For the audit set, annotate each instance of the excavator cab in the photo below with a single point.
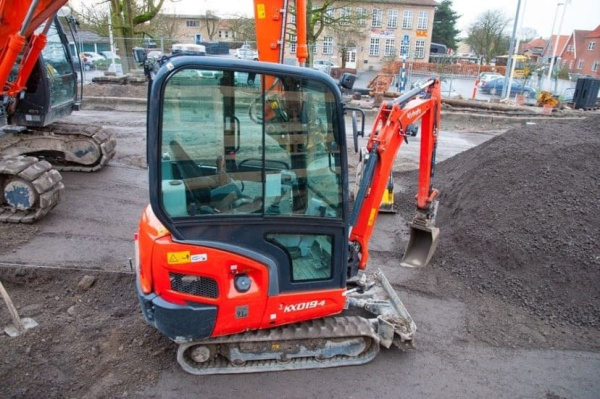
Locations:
(253, 156)
(249, 225)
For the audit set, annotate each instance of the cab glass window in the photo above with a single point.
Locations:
(241, 143)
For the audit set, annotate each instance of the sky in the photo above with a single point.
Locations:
(538, 15)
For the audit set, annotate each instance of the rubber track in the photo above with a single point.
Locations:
(44, 179)
(98, 134)
(326, 328)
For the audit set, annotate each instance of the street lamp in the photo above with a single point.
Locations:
(557, 37)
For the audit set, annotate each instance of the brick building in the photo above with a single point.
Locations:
(366, 33)
(581, 53)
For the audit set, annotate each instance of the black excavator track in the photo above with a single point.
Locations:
(322, 343)
(86, 148)
(30, 161)
(30, 189)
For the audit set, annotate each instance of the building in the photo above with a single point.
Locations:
(365, 34)
(581, 53)
(549, 51)
(195, 28)
(534, 49)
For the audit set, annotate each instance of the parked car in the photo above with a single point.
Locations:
(494, 87)
(243, 48)
(445, 88)
(89, 59)
(154, 54)
(324, 65)
(485, 77)
(78, 63)
(109, 55)
(247, 54)
(90, 56)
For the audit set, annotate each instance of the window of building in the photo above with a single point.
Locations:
(392, 20)
(361, 16)
(595, 66)
(374, 47)
(346, 16)
(220, 33)
(591, 45)
(580, 64)
(407, 19)
(420, 49)
(570, 48)
(423, 19)
(377, 20)
(389, 47)
(328, 45)
(571, 64)
(192, 23)
(293, 19)
(293, 42)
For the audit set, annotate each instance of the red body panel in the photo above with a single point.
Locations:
(159, 256)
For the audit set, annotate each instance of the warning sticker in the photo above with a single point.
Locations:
(199, 258)
(261, 11)
(176, 258)
(372, 216)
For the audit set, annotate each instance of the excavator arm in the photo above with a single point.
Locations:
(270, 18)
(20, 18)
(394, 123)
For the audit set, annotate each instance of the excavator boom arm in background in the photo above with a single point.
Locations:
(270, 17)
(393, 125)
(20, 19)
(39, 88)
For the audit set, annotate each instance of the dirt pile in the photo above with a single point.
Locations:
(115, 90)
(90, 342)
(520, 220)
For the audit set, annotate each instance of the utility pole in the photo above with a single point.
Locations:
(511, 50)
(521, 14)
(557, 38)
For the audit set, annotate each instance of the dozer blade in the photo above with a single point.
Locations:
(421, 245)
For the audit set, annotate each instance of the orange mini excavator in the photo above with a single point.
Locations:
(38, 85)
(249, 254)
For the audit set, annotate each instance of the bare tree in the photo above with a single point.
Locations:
(126, 16)
(211, 22)
(527, 34)
(243, 28)
(92, 18)
(487, 34)
(332, 17)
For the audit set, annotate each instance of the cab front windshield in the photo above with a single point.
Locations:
(241, 143)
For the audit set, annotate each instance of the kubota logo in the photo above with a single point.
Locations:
(414, 113)
(303, 306)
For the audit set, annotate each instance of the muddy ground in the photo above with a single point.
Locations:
(509, 307)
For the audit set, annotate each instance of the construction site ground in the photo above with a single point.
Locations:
(509, 308)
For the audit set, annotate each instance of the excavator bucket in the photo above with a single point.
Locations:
(421, 245)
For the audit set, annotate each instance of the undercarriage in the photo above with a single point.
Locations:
(352, 338)
(30, 183)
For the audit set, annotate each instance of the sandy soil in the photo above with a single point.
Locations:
(517, 267)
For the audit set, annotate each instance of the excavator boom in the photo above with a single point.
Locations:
(38, 85)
